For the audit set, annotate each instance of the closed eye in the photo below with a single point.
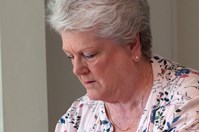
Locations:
(70, 57)
(89, 56)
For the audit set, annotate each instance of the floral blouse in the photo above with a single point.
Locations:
(173, 104)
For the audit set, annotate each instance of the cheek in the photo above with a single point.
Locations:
(109, 69)
(100, 67)
(103, 71)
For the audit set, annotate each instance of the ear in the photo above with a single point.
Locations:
(135, 48)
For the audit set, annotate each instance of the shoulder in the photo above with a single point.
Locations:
(175, 76)
(77, 114)
(178, 97)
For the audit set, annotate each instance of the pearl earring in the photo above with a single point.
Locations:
(136, 58)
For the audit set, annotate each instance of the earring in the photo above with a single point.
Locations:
(136, 58)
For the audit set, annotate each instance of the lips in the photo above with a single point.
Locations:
(89, 82)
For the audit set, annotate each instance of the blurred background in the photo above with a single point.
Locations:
(36, 81)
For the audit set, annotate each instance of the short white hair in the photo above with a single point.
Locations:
(119, 20)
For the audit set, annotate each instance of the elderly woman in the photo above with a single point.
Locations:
(128, 89)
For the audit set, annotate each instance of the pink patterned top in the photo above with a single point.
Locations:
(173, 104)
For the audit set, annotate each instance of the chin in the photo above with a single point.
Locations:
(93, 96)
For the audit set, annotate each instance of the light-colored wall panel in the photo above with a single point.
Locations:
(1, 89)
(23, 64)
(161, 26)
(188, 32)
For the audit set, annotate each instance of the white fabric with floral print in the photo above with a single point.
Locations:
(173, 104)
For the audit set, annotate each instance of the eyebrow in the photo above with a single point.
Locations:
(66, 52)
(86, 48)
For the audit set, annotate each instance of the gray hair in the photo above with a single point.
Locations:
(119, 20)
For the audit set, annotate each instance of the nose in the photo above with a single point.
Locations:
(79, 68)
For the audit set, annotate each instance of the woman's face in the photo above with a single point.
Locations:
(101, 65)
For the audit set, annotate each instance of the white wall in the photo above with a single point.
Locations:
(23, 66)
(161, 12)
(188, 32)
(1, 90)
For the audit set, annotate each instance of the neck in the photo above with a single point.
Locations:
(132, 105)
(134, 91)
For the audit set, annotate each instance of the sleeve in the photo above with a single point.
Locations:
(189, 117)
(61, 127)
(186, 117)
(67, 123)
(70, 121)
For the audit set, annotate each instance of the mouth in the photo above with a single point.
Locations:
(89, 82)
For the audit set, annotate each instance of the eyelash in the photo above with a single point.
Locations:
(70, 57)
(89, 56)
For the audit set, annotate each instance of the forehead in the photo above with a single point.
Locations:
(80, 40)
